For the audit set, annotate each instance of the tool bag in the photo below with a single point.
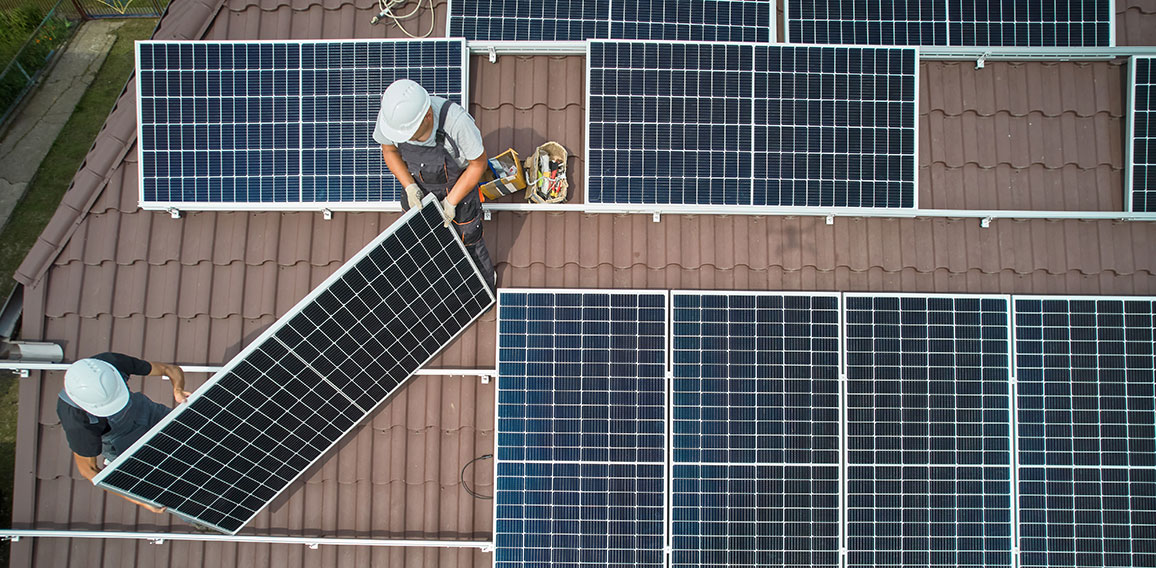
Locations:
(546, 174)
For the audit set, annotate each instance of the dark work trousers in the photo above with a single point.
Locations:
(435, 169)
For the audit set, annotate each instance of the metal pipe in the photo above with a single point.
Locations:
(312, 542)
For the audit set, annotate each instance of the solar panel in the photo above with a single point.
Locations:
(581, 444)
(573, 20)
(1086, 396)
(740, 124)
(1142, 142)
(275, 124)
(1023, 23)
(755, 430)
(285, 400)
(929, 478)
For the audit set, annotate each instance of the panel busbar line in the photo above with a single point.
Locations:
(275, 124)
(575, 20)
(1141, 172)
(732, 124)
(929, 480)
(581, 422)
(756, 441)
(962, 23)
(1086, 407)
(293, 393)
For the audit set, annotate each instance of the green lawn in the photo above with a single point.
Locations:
(33, 213)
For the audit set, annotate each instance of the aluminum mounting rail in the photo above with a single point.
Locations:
(311, 542)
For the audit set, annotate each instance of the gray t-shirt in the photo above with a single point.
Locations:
(459, 126)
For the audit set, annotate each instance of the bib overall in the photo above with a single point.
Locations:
(435, 169)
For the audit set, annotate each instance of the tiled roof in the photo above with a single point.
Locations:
(195, 290)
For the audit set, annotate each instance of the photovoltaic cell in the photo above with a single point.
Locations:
(867, 22)
(277, 407)
(1087, 431)
(928, 431)
(1142, 146)
(581, 452)
(755, 430)
(995, 23)
(275, 124)
(740, 124)
(573, 20)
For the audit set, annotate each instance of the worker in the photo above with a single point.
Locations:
(101, 418)
(433, 146)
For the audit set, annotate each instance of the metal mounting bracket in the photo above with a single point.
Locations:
(312, 545)
(327, 214)
(485, 214)
(174, 212)
(831, 219)
(979, 63)
(985, 222)
(156, 541)
(657, 216)
(487, 378)
(493, 53)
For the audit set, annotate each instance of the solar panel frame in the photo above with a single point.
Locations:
(955, 29)
(576, 556)
(306, 184)
(1140, 150)
(836, 166)
(910, 473)
(429, 213)
(807, 477)
(1097, 506)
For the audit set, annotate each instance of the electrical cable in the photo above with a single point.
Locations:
(465, 486)
(387, 12)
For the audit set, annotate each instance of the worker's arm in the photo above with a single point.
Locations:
(89, 467)
(468, 181)
(396, 164)
(175, 375)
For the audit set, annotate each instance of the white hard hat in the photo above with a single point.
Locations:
(403, 106)
(96, 386)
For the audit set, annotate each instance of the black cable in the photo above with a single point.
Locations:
(472, 493)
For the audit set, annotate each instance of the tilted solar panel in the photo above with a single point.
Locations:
(1019, 23)
(740, 124)
(581, 443)
(575, 20)
(1086, 397)
(1141, 186)
(755, 429)
(275, 124)
(288, 397)
(929, 480)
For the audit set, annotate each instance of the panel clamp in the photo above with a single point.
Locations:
(488, 547)
(493, 53)
(174, 212)
(485, 214)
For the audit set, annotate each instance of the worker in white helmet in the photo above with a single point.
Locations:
(433, 146)
(99, 415)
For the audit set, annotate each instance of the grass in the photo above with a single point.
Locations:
(33, 212)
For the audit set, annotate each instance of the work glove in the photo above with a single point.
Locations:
(448, 211)
(413, 194)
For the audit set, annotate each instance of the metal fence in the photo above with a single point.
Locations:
(32, 57)
(89, 9)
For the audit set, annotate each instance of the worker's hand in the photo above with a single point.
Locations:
(413, 194)
(153, 509)
(448, 210)
(180, 395)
